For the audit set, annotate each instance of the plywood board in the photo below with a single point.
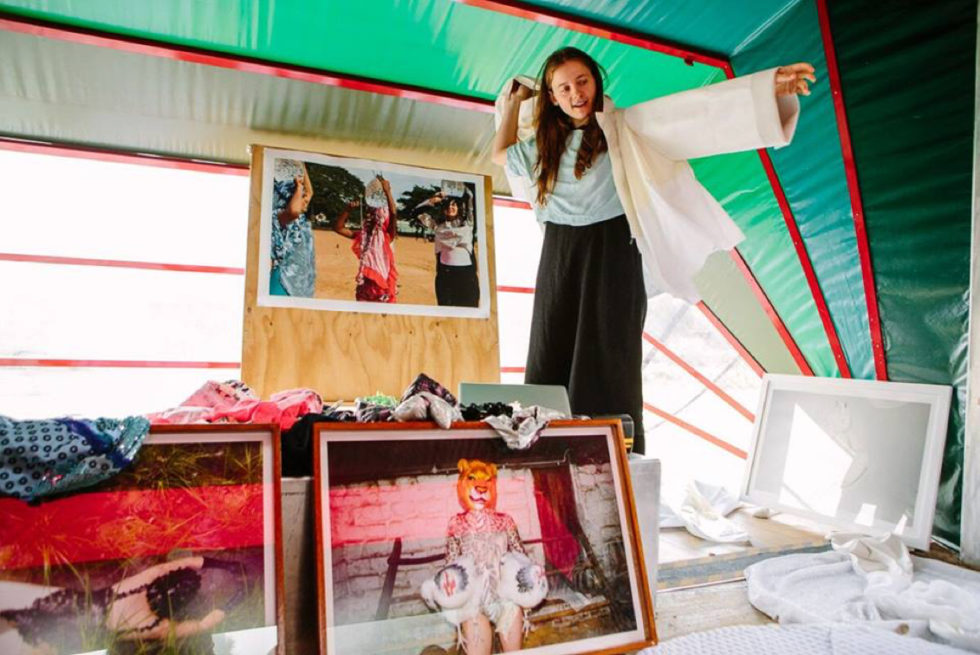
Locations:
(344, 355)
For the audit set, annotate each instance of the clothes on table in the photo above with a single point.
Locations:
(40, 458)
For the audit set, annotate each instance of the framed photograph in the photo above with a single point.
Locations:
(178, 551)
(861, 455)
(357, 235)
(445, 541)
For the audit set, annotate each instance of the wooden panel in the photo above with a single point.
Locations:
(343, 355)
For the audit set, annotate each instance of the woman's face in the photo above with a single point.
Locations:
(572, 88)
(452, 209)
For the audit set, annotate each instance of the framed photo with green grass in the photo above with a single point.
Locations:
(178, 553)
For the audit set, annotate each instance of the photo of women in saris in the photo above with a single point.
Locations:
(377, 277)
(293, 259)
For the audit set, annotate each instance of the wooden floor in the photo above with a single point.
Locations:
(694, 609)
(782, 530)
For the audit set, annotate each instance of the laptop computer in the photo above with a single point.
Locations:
(552, 396)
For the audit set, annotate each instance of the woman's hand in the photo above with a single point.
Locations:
(792, 79)
(519, 92)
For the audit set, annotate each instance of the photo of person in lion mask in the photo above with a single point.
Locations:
(488, 582)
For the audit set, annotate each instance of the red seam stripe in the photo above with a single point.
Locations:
(854, 188)
(777, 322)
(710, 438)
(110, 363)
(117, 263)
(711, 386)
(595, 28)
(34, 147)
(52, 30)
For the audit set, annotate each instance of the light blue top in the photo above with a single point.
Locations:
(589, 200)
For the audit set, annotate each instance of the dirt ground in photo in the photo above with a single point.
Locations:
(336, 268)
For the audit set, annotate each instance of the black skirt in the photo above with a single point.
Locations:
(587, 325)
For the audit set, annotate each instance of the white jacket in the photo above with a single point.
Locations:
(675, 221)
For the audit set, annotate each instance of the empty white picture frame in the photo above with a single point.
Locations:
(863, 456)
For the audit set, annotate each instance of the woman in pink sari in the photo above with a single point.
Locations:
(377, 276)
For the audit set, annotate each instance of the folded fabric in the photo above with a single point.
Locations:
(41, 458)
(234, 402)
(703, 512)
(942, 603)
(524, 425)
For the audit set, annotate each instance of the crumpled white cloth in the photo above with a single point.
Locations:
(703, 512)
(824, 639)
(524, 426)
(938, 601)
(427, 406)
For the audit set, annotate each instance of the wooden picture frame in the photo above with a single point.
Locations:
(388, 505)
(191, 528)
(340, 250)
(863, 456)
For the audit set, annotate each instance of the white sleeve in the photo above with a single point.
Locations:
(738, 114)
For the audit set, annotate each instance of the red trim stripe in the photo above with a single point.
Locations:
(116, 263)
(735, 343)
(504, 289)
(110, 363)
(854, 187)
(567, 21)
(777, 322)
(501, 201)
(697, 375)
(52, 30)
(808, 272)
(511, 369)
(117, 157)
(811, 277)
(707, 436)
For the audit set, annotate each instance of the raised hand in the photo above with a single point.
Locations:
(792, 79)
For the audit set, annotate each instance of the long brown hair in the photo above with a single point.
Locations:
(553, 126)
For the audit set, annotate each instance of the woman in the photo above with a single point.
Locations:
(457, 283)
(293, 259)
(377, 276)
(624, 217)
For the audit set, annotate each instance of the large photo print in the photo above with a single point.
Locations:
(176, 553)
(449, 542)
(365, 236)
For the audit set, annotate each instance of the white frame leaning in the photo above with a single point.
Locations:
(937, 397)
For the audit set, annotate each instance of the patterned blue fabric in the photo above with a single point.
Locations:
(52, 456)
(292, 246)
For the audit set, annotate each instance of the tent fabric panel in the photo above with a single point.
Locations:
(739, 182)
(79, 94)
(913, 144)
(434, 44)
(714, 25)
(811, 171)
(726, 292)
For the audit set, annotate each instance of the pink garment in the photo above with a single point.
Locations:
(233, 402)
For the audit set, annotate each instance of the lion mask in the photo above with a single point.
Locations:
(476, 487)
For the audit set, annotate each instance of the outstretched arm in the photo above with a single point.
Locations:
(340, 225)
(744, 113)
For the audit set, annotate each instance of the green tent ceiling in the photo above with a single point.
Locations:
(909, 111)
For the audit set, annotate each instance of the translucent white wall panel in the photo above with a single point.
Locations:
(517, 242)
(71, 207)
(43, 392)
(94, 312)
(514, 327)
